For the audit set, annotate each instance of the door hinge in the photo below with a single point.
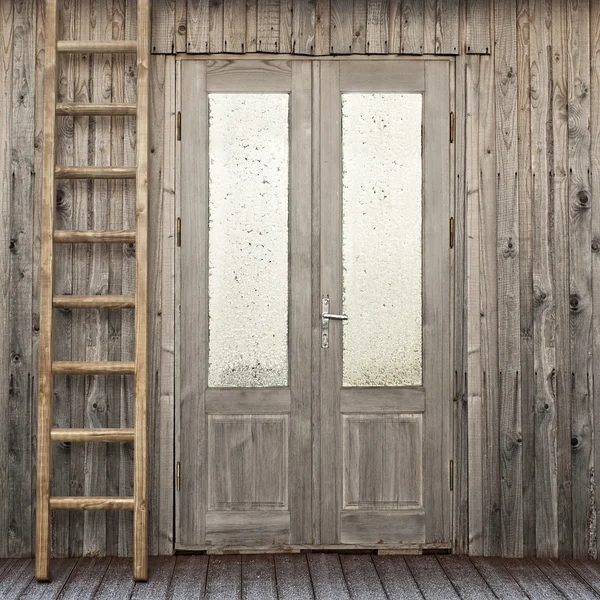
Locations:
(451, 232)
(178, 126)
(451, 476)
(178, 476)
(451, 127)
(178, 232)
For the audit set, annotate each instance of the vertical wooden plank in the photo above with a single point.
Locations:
(193, 322)
(157, 137)
(285, 26)
(429, 25)
(489, 309)
(303, 27)
(505, 58)
(322, 27)
(359, 27)
(473, 263)
(166, 393)
(251, 24)
(546, 516)
(595, 185)
(478, 27)
(20, 382)
(526, 275)
(96, 396)
(234, 26)
(446, 27)
(127, 395)
(300, 289)
(199, 19)
(44, 464)
(181, 26)
(560, 253)
(140, 484)
(377, 26)
(216, 24)
(6, 76)
(395, 27)
(341, 26)
(412, 27)
(267, 26)
(580, 292)
(163, 26)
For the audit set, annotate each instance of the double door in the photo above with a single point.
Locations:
(314, 323)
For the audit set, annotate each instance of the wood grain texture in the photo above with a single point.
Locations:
(412, 27)
(163, 26)
(478, 37)
(378, 26)
(197, 26)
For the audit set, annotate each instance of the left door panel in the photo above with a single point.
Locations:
(244, 418)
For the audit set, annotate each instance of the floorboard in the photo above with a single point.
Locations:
(61, 570)
(430, 578)
(361, 577)
(160, 572)
(565, 579)
(500, 581)
(327, 577)
(117, 583)
(85, 579)
(465, 578)
(396, 578)
(293, 577)
(189, 578)
(258, 577)
(531, 579)
(589, 570)
(16, 579)
(224, 578)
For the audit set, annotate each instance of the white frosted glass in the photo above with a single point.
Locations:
(248, 240)
(382, 290)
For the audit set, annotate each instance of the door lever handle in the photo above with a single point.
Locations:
(325, 317)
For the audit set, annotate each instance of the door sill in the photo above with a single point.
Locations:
(410, 549)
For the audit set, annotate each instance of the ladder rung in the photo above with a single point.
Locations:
(94, 302)
(90, 503)
(91, 435)
(114, 46)
(93, 368)
(108, 110)
(90, 237)
(95, 172)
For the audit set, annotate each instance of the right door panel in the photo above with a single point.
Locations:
(384, 263)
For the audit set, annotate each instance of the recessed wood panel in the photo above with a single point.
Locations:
(247, 457)
(382, 461)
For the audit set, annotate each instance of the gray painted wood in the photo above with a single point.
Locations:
(465, 578)
(530, 578)
(61, 570)
(589, 571)
(361, 577)
(565, 579)
(16, 578)
(258, 577)
(160, 572)
(293, 577)
(224, 578)
(189, 578)
(499, 579)
(327, 576)
(396, 578)
(117, 583)
(85, 579)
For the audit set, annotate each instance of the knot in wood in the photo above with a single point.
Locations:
(595, 246)
(575, 441)
(510, 249)
(181, 29)
(583, 199)
(574, 302)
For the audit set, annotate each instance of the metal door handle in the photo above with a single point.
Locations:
(325, 317)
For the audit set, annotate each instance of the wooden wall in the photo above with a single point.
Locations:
(527, 280)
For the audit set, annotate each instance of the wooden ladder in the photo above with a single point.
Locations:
(48, 301)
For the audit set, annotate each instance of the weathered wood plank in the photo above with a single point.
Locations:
(446, 27)
(531, 579)
(285, 26)
(322, 27)
(251, 25)
(85, 579)
(303, 27)
(198, 26)
(465, 578)
(61, 570)
(267, 28)
(378, 26)
(216, 25)
(359, 27)
(429, 25)
(565, 579)
(341, 26)
(293, 577)
(526, 276)
(361, 577)
(589, 571)
(16, 579)
(224, 578)
(498, 578)
(505, 60)
(430, 577)
(396, 578)
(258, 577)
(160, 572)
(117, 583)
(560, 267)
(234, 26)
(546, 515)
(412, 27)
(395, 27)
(327, 576)
(580, 200)
(181, 19)
(163, 26)
(478, 27)
(189, 577)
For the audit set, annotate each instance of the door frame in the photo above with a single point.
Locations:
(455, 297)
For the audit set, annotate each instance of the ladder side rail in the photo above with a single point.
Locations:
(140, 483)
(44, 462)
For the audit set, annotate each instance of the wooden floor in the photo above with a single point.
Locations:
(298, 576)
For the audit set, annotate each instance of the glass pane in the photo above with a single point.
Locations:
(248, 240)
(381, 147)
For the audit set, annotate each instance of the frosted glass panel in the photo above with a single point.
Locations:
(381, 148)
(248, 240)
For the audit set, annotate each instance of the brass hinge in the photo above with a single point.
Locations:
(451, 475)
(451, 232)
(178, 126)
(451, 127)
(178, 476)
(178, 232)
